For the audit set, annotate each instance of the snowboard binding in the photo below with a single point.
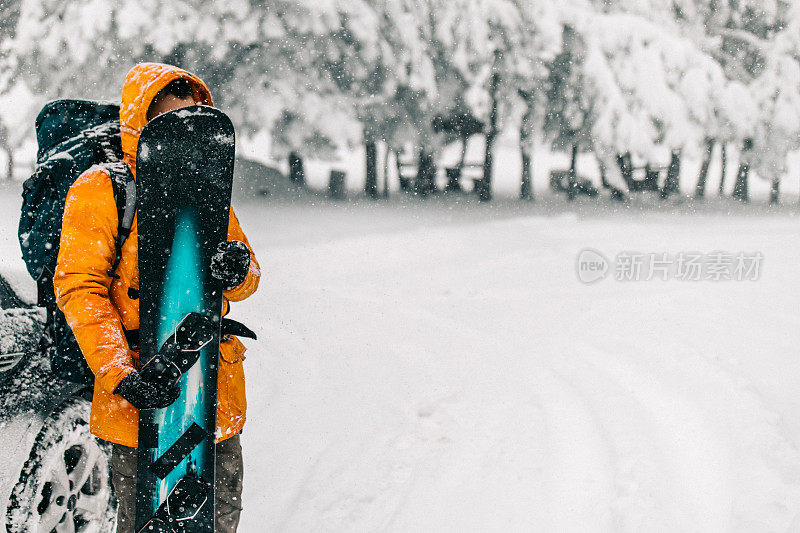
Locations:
(182, 506)
(180, 351)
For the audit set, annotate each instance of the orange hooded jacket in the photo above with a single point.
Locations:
(99, 308)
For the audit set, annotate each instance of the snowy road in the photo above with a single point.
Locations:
(461, 378)
(443, 369)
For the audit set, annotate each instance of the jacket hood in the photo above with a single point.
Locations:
(142, 84)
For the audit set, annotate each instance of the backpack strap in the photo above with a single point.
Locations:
(124, 187)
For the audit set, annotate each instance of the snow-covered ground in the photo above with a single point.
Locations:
(454, 375)
(439, 367)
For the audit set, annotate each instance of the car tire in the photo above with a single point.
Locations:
(65, 485)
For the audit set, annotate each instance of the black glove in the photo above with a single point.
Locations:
(231, 263)
(144, 395)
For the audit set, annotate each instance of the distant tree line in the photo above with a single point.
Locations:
(623, 79)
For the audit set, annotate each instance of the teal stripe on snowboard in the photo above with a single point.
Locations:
(183, 294)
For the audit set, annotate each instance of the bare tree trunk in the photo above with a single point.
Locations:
(463, 159)
(724, 170)
(296, 172)
(572, 176)
(775, 191)
(626, 168)
(526, 185)
(386, 154)
(603, 176)
(485, 189)
(337, 185)
(740, 188)
(526, 189)
(672, 182)
(426, 172)
(371, 183)
(700, 188)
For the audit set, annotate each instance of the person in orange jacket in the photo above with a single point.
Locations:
(100, 309)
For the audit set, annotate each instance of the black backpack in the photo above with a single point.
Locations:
(73, 135)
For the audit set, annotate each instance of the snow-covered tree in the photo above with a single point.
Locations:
(740, 35)
(10, 130)
(470, 45)
(652, 88)
(631, 77)
(570, 101)
(538, 40)
(776, 93)
(258, 60)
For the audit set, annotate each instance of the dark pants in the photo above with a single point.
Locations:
(227, 485)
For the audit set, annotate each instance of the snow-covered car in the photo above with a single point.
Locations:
(54, 475)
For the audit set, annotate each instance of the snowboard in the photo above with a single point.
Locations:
(184, 177)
